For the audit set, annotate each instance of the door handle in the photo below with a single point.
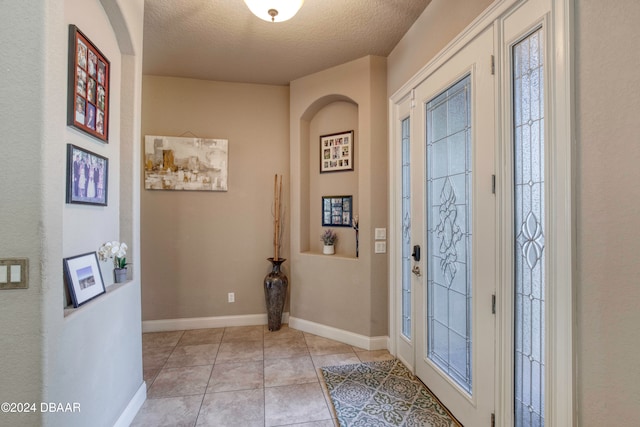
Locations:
(416, 253)
(416, 270)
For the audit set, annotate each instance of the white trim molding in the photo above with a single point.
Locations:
(207, 322)
(351, 338)
(130, 412)
(561, 387)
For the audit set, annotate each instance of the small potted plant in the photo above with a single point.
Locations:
(329, 238)
(117, 251)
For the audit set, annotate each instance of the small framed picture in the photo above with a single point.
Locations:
(84, 278)
(88, 92)
(336, 152)
(337, 211)
(87, 177)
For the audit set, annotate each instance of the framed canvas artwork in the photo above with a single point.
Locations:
(185, 164)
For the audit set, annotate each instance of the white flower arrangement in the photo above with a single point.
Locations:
(115, 250)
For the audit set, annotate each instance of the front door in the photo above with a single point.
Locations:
(453, 220)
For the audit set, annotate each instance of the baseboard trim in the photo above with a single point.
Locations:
(347, 337)
(207, 322)
(351, 338)
(130, 412)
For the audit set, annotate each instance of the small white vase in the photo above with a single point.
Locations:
(328, 250)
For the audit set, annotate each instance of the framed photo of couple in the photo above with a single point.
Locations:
(88, 91)
(336, 152)
(87, 177)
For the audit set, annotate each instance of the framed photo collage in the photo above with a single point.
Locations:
(88, 92)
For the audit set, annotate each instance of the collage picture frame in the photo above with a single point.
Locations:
(336, 152)
(337, 211)
(88, 89)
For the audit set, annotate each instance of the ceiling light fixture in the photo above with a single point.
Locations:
(274, 10)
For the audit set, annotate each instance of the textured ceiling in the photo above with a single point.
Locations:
(222, 40)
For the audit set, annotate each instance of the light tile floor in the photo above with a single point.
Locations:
(241, 376)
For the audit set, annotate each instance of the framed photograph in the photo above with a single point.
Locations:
(336, 152)
(337, 211)
(84, 278)
(187, 164)
(87, 177)
(88, 91)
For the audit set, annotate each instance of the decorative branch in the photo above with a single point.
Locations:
(277, 216)
(356, 226)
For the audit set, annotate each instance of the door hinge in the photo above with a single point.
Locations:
(493, 184)
(413, 98)
(493, 420)
(493, 304)
(493, 65)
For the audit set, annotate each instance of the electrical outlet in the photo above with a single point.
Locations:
(232, 297)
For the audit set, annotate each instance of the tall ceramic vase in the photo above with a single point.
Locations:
(275, 293)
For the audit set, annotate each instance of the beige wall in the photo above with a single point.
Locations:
(340, 291)
(608, 207)
(441, 21)
(23, 89)
(199, 246)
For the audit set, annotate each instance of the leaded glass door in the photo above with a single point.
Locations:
(406, 338)
(454, 219)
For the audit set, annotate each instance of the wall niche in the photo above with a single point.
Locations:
(335, 117)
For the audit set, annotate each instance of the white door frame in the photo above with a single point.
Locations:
(560, 337)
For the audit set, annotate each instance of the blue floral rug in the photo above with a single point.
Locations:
(381, 394)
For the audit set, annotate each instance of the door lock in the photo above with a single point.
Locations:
(416, 270)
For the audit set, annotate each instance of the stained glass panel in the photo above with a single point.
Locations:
(449, 232)
(406, 232)
(529, 221)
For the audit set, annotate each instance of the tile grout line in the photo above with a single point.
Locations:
(164, 364)
(264, 384)
(209, 380)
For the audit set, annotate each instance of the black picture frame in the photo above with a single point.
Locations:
(336, 152)
(87, 177)
(84, 278)
(88, 87)
(337, 211)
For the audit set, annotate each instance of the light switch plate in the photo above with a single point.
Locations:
(381, 233)
(381, 247)
(14, 273)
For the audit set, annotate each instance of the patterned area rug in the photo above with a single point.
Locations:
(381, 394)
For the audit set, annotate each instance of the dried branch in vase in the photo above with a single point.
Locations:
(278, 216)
